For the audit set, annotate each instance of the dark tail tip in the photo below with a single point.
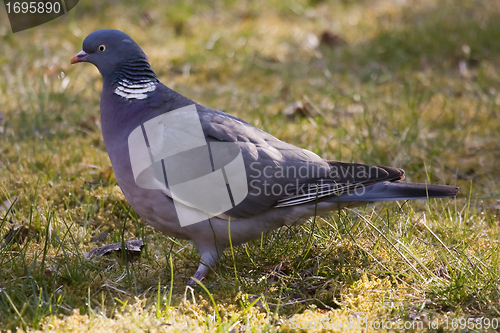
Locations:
(428, 190)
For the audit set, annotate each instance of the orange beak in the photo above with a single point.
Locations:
(80, 57)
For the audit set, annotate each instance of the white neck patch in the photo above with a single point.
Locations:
(135, 90)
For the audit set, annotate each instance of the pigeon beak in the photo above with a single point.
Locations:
(80, 57)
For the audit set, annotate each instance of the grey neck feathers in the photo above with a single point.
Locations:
(134, 79)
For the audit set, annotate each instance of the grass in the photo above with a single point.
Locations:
(414, 84)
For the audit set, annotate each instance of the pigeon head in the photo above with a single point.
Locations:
(123, 65)
(108, 50)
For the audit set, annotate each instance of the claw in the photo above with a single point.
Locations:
(198, 276)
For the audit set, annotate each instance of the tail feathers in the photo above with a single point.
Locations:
(390, 191)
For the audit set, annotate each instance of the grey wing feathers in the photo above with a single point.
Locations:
(263, 156)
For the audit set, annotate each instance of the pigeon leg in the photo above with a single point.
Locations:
(209, 256)
(203, 270)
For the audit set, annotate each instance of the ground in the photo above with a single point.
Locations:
(411, 84)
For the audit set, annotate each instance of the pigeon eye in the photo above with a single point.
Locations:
(102, 48)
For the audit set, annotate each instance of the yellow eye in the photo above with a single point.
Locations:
(102, 48)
